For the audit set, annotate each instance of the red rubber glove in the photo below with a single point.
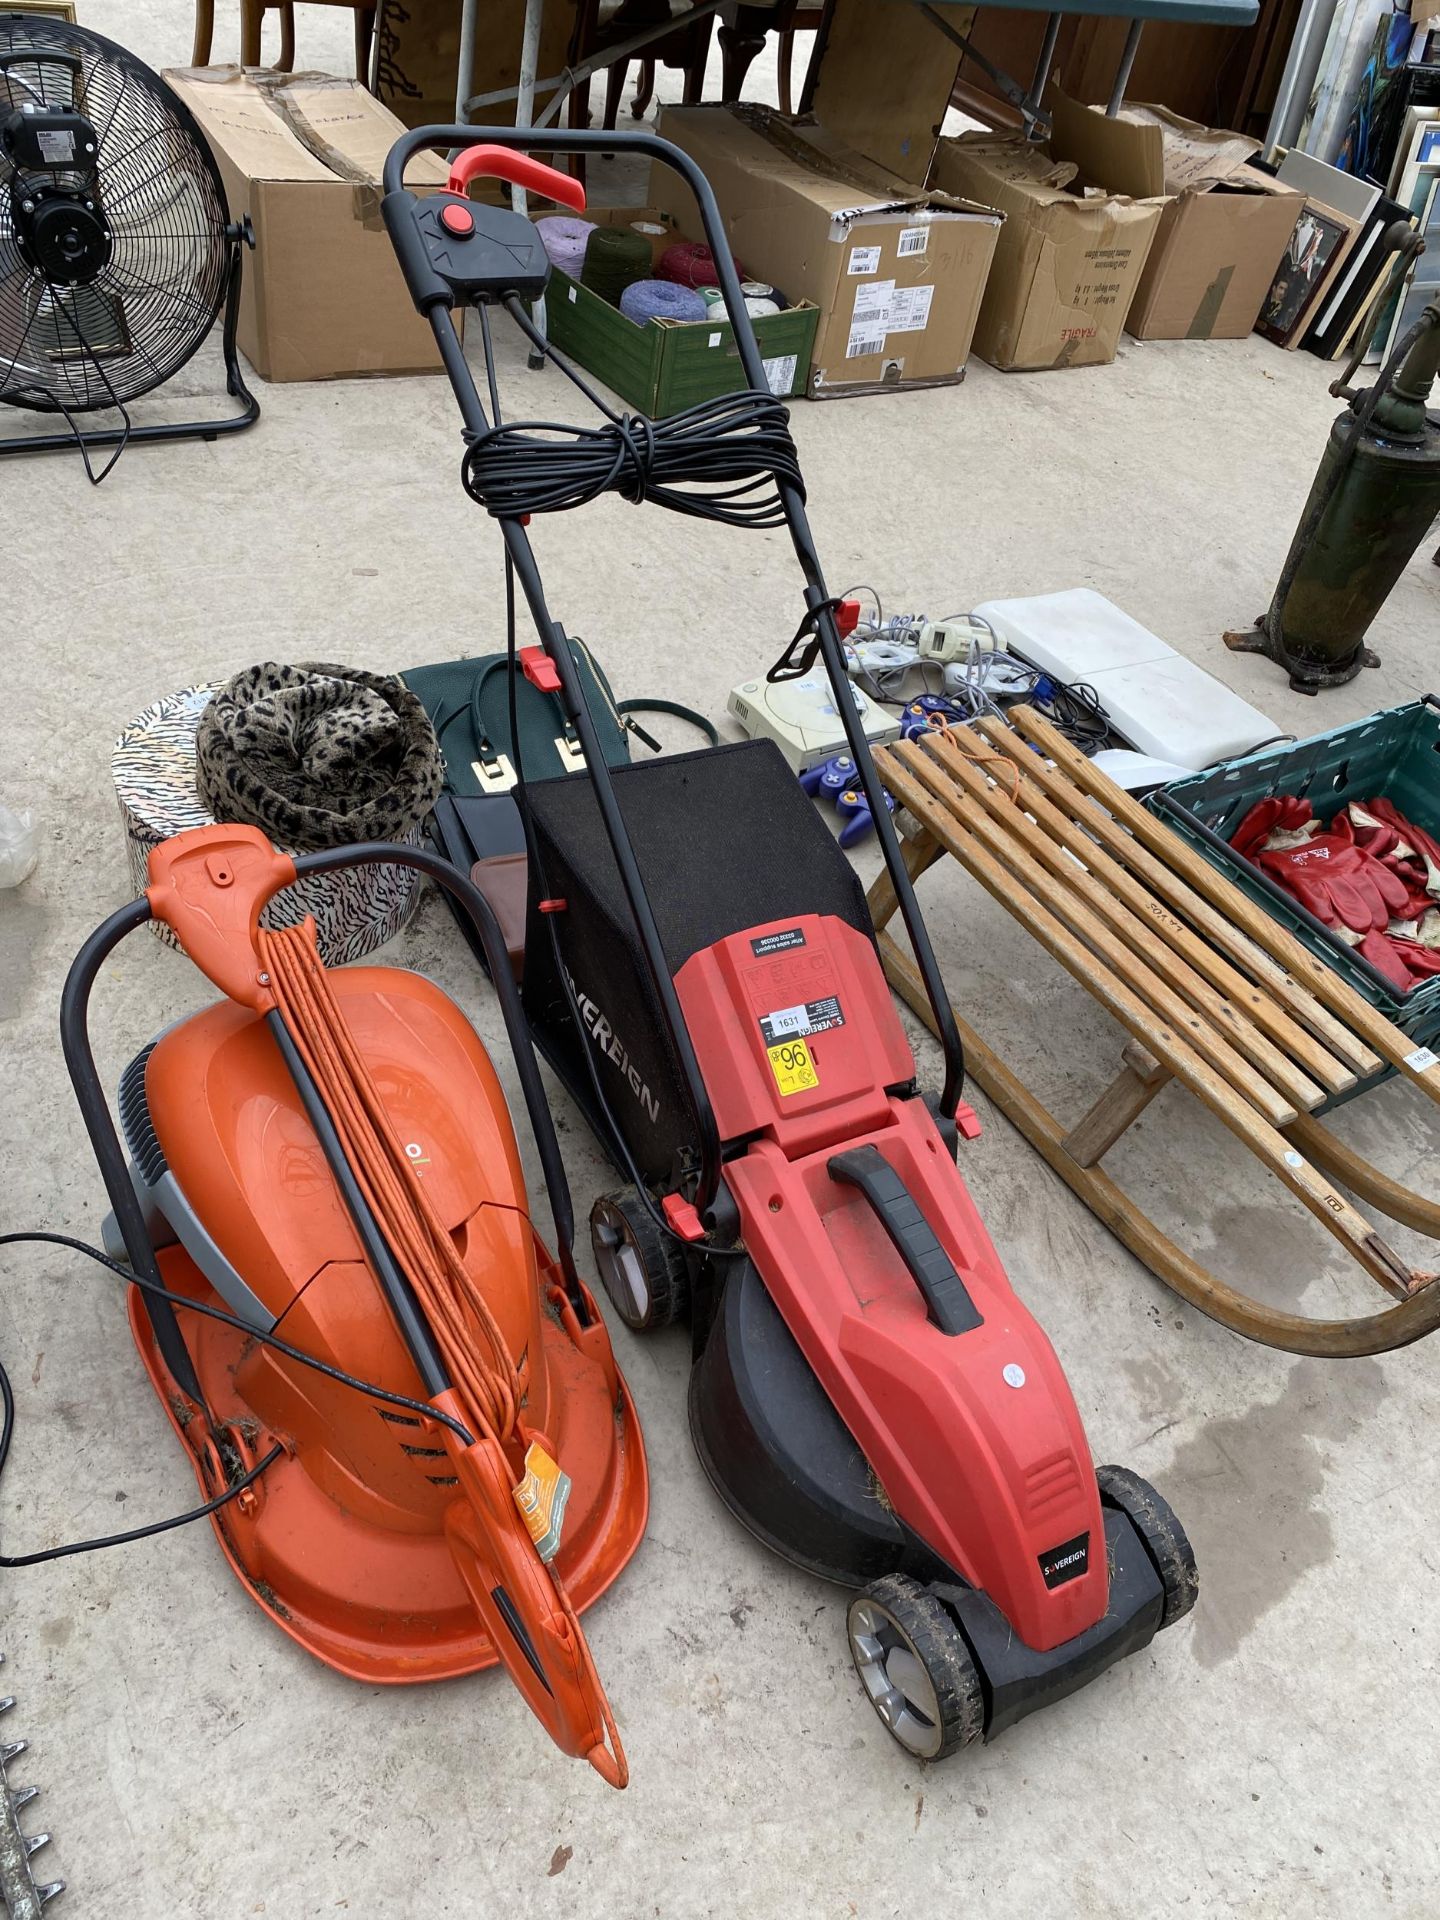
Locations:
(1384, 954)
(1421, 963)
(1333, 879)
(1283, 813)
(1426, 849)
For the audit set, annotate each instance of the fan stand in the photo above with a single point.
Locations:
(240, 235)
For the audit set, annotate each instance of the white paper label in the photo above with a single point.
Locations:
(864, 340)
(872, 306)
(780, 373)
(573, 296)
(1420, 1059)
(909, 310)
(864, 260)
(713, 341)
(788, 1020)
(912, 240)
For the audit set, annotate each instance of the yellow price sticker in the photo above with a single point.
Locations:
(792, 1067)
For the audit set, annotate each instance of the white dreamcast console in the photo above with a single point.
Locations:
(801, 717)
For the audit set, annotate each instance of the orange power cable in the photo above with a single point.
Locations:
(483, 1373)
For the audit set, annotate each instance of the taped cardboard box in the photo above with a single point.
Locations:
(897, 272)
(1069, 258)
(302, 154)
(1224, 227)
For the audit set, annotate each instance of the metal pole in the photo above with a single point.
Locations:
(1122, 72)
(1042, 65)
(1301, 66)
(465, 72)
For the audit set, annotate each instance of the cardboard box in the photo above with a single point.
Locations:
(1224, 228)
(1069, 258)
(323, 295)
(896, 273)
(667, 365)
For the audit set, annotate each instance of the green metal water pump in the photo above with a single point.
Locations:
(1374, 498)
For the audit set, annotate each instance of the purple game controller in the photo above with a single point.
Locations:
(836, 778)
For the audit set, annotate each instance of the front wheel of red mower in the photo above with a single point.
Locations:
(1162, 1535)
(915, 1667)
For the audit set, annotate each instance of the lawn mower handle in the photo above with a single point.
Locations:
(820, 605)
(495, 163)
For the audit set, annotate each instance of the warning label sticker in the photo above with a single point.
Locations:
(815, 1016)
(541, 1497)
(792, 1067)
(777, 942)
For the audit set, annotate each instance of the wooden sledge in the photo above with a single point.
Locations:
(1212, 992)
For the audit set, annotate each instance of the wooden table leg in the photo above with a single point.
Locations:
(740, 41)
(204, 33)
(252, 21)
(364, 38)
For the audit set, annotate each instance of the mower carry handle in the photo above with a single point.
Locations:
(497, 163)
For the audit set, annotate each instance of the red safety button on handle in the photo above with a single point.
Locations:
(457, 219)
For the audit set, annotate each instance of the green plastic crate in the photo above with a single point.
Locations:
(668, 365)
(1394, 755)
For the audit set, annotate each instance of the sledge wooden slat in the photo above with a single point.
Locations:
(1059, 855)
(1168, 885)
(1100, 949)
(1248, 996)
(1393, 1046)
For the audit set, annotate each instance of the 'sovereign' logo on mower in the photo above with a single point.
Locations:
(1065, 1562)
(610, 1045)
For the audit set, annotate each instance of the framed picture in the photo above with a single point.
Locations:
(1315, 247)
(57, 9)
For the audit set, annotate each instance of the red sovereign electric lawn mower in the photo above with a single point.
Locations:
(868, 1396)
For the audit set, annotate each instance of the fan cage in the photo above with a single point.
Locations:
(140, 318)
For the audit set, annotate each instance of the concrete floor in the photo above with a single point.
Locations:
(1273, 1756)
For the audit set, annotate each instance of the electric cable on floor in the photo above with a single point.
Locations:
(203, 1307)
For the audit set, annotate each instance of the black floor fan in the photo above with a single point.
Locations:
(117, 250)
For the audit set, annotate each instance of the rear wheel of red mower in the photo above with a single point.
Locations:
(1164, 1538)
(641, 1269)
(915, 1667)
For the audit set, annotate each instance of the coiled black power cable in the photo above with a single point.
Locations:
(720, 460)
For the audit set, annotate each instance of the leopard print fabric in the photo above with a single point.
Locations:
(318, 755)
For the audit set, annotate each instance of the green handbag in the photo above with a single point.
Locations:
(468, 702)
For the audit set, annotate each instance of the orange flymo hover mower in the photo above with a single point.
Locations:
(323, 1169)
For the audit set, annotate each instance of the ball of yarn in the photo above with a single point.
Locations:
(564, 240)
(646, 300)
(758, 290)
(615, 258)
(758, 301)
(689, 264)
